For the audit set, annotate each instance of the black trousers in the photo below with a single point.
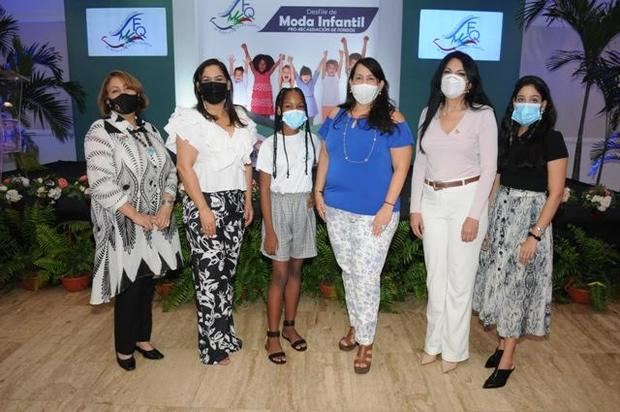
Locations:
(133, 318)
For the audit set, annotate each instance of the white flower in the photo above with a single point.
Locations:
(24, 181)
(55, 193)
(87, 191)
(41, 192)
(601, 208)
(13, 196)
(40, 180)
(606, 201)
(82, 188)
(566, 195)
(3, 188)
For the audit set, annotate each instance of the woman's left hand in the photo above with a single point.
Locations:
(382, 219)
(469, 231)
(248, 212)
(527, 250)
(162, 218)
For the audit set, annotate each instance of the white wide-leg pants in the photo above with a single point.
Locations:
(451, 266)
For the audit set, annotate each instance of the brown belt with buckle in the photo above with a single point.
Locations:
(453, 183)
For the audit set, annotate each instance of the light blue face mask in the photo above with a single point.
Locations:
(294, 118)
(526, 113)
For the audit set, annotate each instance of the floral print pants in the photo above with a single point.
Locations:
(214, 263)
(361, 256)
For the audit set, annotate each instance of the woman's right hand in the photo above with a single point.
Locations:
(207, 222)
(319, 203)
(144, 220)
(417, 225)
(271, 242)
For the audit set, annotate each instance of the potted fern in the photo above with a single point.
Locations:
(19, 244)
(253, 269)
(404, 272)
(68, 253)
(587, 263)
(324, 268)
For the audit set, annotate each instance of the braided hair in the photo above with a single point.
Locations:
(278, 127)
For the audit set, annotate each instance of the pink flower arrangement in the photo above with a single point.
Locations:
(63, 183)
(45, 189)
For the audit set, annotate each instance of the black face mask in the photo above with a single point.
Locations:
(213, 92)
(124, 103)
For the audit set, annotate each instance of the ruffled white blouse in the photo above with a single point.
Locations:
(220, 164)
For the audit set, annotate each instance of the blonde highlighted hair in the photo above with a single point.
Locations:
(130, 82)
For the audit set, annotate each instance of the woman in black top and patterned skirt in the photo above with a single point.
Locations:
(514, 280)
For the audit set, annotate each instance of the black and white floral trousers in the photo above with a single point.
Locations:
(214, 264)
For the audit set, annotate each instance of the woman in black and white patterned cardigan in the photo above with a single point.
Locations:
(133, 185)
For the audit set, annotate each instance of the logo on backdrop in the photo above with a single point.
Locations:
(464, 35)
(239, 13)
(314, 19)
(131, 32)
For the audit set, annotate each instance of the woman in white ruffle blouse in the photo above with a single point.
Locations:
(213, 143)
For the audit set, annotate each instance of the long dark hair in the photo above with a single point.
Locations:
(526, 150)
(229, 107)
(475, 98)
(278, 128)
(380, 115)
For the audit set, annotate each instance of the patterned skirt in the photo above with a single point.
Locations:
(515, 297)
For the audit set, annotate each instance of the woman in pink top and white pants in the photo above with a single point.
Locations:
(453, 173)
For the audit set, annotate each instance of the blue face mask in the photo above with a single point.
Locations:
(526, 113)
(294, 118)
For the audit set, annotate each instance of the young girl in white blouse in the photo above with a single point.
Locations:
(213, 143)
(453, 174)
(285, 162)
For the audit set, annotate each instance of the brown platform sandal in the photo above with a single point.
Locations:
(299, 345)
(348, 343)
(279, 358)
(363, 360)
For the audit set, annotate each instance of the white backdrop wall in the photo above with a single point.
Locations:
(539, 43)
(193, 31)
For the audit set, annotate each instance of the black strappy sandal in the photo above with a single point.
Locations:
(279, 358)
(299, 345)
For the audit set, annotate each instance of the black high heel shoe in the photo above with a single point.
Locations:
(127, 364)
(498, 378)
(152, 354)
(494, 359)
